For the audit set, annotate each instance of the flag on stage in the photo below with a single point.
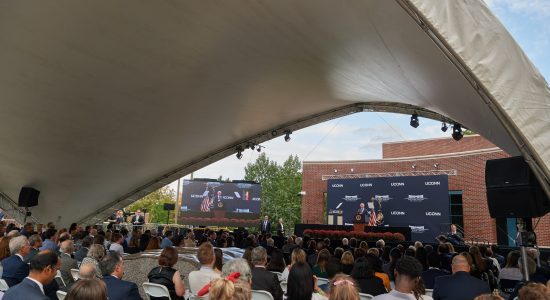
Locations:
(206, 204)
(372, 218)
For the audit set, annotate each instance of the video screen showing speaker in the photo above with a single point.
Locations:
(513, 191)
(28, 197)
(220, 203)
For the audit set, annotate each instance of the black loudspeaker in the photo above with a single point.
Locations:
(28, 197)
(169, 206)
(513, 190)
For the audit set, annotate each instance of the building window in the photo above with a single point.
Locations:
(455, 208)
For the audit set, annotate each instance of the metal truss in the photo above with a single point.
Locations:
(12, 210)
(390, 174)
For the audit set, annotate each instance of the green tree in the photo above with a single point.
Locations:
(280, 187)
(154, 204)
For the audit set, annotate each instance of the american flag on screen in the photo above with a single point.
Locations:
(206, 204)
(372, 218)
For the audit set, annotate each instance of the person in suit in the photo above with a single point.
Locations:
(362, 210)
(434, 271)
(460, 285)
(43, 268)
(67, 262)
(137, 218)
(198, 279)
(117, 289)
(262, 279)
(265, 225)
(36, 242)
(280, 228)
(15, 268)
(83, 251)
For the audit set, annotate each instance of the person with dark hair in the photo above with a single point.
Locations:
(112, 267)
(83, 251)
(434, 270)
(167, 240)
(334, 266)
(48, 243)
(218, 263)
(87, 289)
(511, 271)
(36, 242)
(277, 262)
(166, 275)
(363, 274)
(302, 285)
(43, 268)
(460, 285)
(422, 256)
(395, 255)
(144, 240)
(378, 270)
(408, 283)
(480, 267)
(498, 257)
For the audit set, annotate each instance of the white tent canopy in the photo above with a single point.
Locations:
(102, 102)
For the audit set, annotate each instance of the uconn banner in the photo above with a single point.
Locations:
(419, 202)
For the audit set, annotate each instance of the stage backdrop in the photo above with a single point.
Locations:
(420, 202)
(220, 203)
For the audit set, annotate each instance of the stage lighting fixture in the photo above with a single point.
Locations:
(239, 152)
(457, 132)
(414, 120)
(259, 148)
(287, 135)
(274, 133)
(444, 127)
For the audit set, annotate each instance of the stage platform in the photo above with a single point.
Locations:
(299, 229)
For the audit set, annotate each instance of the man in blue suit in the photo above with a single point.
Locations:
(43, 268)
(460, 285)
(429, 276)
(15, 267)
(112, 267)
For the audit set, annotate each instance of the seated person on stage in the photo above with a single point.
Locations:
(408, 283)
(455, 237)
(199, 278)
(166, 275)
(460, 285)
(137, 218)
(117, 289)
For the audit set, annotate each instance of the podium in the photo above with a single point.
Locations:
(359, 222)
(335, 217)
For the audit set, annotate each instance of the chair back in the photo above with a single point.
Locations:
(261, 295)
(363, 296)
(61, 294)
(279, 275)
(284, 286)
(195, 297)
(3, 285)
(60, 277)
(156, 290)
(75, 273)
(429, 292)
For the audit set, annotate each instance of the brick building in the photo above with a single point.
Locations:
(463, 161)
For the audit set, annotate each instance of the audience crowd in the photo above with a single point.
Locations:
(36, 262)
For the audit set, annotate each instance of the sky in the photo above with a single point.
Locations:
(360, 136)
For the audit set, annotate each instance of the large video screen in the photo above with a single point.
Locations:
(418, 202)
(216, 203)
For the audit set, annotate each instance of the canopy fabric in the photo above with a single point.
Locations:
(102, 102)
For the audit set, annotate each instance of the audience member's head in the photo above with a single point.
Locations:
(345, 241)
(534, 291)
(460, 263)
(322, 259)
(489, 297)
(96, 252)
(531, 265)
(225, 289)
(87, 289)
(205, 254)
(218, 261)
(513, 259)
(373, 251)
(342, 287)
(5, 247)
(359, 252)
(168, 257)
(277, 262)
(259, 256)
(43, 266)
(407, 276)
(239, 265)
(297, 255)
(35, 241)
(380, 244)
(334, 266)
(20, 245)
(87, 271)
(67, 247)
(338, 252)
(300, 282)
(112, 264)
(347, 258)
(434, 260)
(362, 269)
(364, 245)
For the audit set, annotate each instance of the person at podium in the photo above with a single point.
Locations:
(362, 210)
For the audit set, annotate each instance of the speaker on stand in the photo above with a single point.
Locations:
(28, 197)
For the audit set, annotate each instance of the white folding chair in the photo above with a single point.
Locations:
(261, 295)
(75, 273)
(365, 296)
(195, 297)
(155, 290)
(321, 281)
(283, 286)
(58, 275)
(3, 285)
(279, 275)
(61, 294)
(429, 292)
